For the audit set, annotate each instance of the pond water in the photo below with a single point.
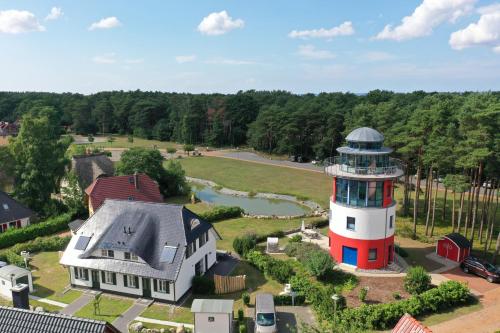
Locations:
(251, 205)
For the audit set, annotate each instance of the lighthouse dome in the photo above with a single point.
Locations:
(365, 134)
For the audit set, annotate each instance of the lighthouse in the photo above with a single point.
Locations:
(362, 206)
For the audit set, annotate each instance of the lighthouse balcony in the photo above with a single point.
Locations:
(339, 166)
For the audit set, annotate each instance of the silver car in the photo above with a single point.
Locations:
(265, 314)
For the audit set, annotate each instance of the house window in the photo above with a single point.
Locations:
(203, 239)
(12, 224)
(391, 221)
(108, 278)
(162, 286)
(351, 223)
(130, 281)
(130, 256)
(130, 198)
(211, 319)
(191, 248)
(108, 253)
(372, 254)
(81, 274)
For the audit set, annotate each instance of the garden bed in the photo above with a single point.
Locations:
(381, 290)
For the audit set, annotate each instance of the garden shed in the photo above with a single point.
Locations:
(10, 276)
(454, 247)
(213, 315)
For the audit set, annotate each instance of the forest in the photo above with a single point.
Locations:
(452, 138)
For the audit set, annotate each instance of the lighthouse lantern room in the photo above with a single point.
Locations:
(362, 205)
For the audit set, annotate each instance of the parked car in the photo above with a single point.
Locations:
(265, 314)
(481, 268)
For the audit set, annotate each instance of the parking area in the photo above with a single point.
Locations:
(475, 282)
(289, 318)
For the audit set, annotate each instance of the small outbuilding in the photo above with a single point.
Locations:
(10, 276)
(213, 315)
(454, 247)
(408, 324)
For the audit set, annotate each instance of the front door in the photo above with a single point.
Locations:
(95, 280)
(350, 255)
(146, 287)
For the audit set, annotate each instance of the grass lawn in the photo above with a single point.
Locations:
(110, 309)
(437, 318)
(50, 278)
(248, 176)
(122, 142)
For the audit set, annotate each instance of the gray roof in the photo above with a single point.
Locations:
(90, 167)
(212, 305)
(14, 320)
(152, 227)
(355, 151)
(12, 210)
(75, 225)
(264, 302)
(7, 271)
(365, 134)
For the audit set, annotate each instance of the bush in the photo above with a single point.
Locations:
(241, 315)
(45, 228)
(318, 263)
(222, 213)
(246, 298)
(296, 238)
(242, 245)
(300, 250)
(287, 300)
(363, 292)
(417, 280)
(203, 285)
(171, 150)
(279, 270)
(53, 243)
(242, 328)
(396, 295)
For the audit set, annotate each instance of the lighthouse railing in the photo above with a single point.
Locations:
(392, 167)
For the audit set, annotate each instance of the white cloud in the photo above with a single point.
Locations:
(228, 61)
(55, 13)
(375, 56)
(219, 24)
(106, 23)
(18, 21)
(108, 58)
(486, 31)
(345, 29)
(134, 61)
(426, 17)
(311, 52)
(181, 59)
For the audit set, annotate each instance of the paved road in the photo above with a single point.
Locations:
(79, 303)
(122, 322)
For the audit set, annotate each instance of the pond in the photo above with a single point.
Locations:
(251, 205)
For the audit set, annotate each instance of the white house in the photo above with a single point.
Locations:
(213, 315)
(10, 276)
(13, 214)
(142, 249)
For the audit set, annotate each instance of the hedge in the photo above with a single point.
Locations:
(53, 243)
(222, 213)
(279, 270)
(384, 316)
(48, 227)
(287, 300)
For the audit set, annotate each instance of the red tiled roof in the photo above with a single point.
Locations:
(123, 187)
(408, 324)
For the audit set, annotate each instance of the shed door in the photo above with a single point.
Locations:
(350, 255)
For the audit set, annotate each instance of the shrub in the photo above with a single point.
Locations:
(203, 285)
(296, 238)
(258, 260)
(221, 213)
(319, 224)
(47, 227)
(242, 328)
(53, 243)
(244, 244)
(287, 300)
(318, 263)
(241, 315)
(417, 280)
(171, 150)
(130, 138)
(246, 298)
(396, 295)
(279, 270)
(300, 250)
(363, 292)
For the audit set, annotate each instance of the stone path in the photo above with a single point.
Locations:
(79, 303)
(122, 322)
(48, 301)
(163, 322)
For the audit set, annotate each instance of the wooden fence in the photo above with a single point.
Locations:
(229, 284)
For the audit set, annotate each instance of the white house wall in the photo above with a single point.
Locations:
(221, 323)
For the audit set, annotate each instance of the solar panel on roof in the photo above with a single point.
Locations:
(168, 254)
(82, 243)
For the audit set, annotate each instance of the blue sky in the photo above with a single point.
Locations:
(226, 46)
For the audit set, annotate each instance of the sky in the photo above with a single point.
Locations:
(303, 46)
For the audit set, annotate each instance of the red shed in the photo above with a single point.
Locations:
(454, 247)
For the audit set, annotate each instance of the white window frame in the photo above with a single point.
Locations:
(80, 273)
(354, 223)
(163, 285)
(131, 281)
(108, 278)
(105, 253)
(132, 256)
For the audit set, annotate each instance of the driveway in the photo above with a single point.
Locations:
(289, 318)
(475, 282)
(122, 322)
(79, 303)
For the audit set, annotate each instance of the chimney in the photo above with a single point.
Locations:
(136, 180)
(20, 297)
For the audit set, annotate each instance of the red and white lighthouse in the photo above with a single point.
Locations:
(362, 205)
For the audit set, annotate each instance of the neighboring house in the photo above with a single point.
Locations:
(213, 315)
(142, 249)
(137, 187)
(454, 247)
(9, 128)
(88, 168)
(11, 276)
(408, 324)
(13, 214)
(27, 321)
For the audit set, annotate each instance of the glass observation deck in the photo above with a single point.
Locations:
(364, 166)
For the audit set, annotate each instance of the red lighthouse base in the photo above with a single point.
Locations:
(356, 251)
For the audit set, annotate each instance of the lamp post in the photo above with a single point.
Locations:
(335, 299)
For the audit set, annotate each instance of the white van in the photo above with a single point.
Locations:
(265, 314)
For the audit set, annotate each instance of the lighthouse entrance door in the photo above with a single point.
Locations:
(350, 255)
